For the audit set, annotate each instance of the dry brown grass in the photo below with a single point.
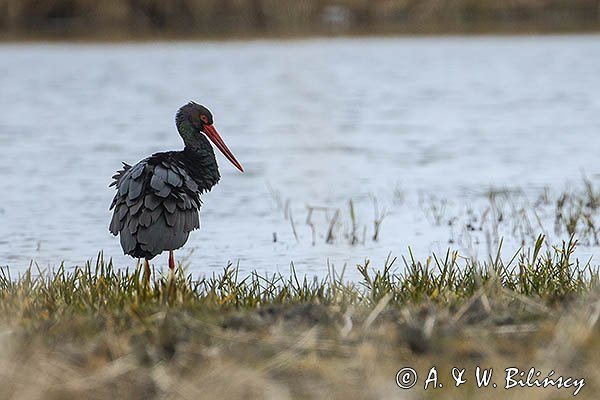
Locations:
(297, 358)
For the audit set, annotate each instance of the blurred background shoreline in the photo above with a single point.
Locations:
(109, 20)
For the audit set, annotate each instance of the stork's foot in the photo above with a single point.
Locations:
(171, 261)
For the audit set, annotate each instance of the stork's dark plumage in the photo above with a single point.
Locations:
(158, 199)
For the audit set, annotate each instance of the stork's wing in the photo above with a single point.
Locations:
(155, 207)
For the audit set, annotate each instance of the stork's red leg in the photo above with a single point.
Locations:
(171, 261)
(146, 270)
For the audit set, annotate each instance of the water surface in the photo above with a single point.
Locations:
(314, 122)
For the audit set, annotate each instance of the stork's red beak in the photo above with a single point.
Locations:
(213, 135)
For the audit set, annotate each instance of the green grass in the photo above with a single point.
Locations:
(100, 332)
(549, 277)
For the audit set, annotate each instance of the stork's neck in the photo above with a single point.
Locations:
(192, 138)
(200, 156)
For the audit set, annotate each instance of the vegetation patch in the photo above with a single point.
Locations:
(100, 332)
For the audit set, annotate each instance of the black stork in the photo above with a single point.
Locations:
(158, 199)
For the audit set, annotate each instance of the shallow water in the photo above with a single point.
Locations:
(315, 122)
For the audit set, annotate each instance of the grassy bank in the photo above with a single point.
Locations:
(118, 19)
(100, 332)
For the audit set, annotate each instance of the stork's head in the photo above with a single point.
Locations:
(200, 120)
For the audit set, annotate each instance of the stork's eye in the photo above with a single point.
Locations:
(204, 119)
